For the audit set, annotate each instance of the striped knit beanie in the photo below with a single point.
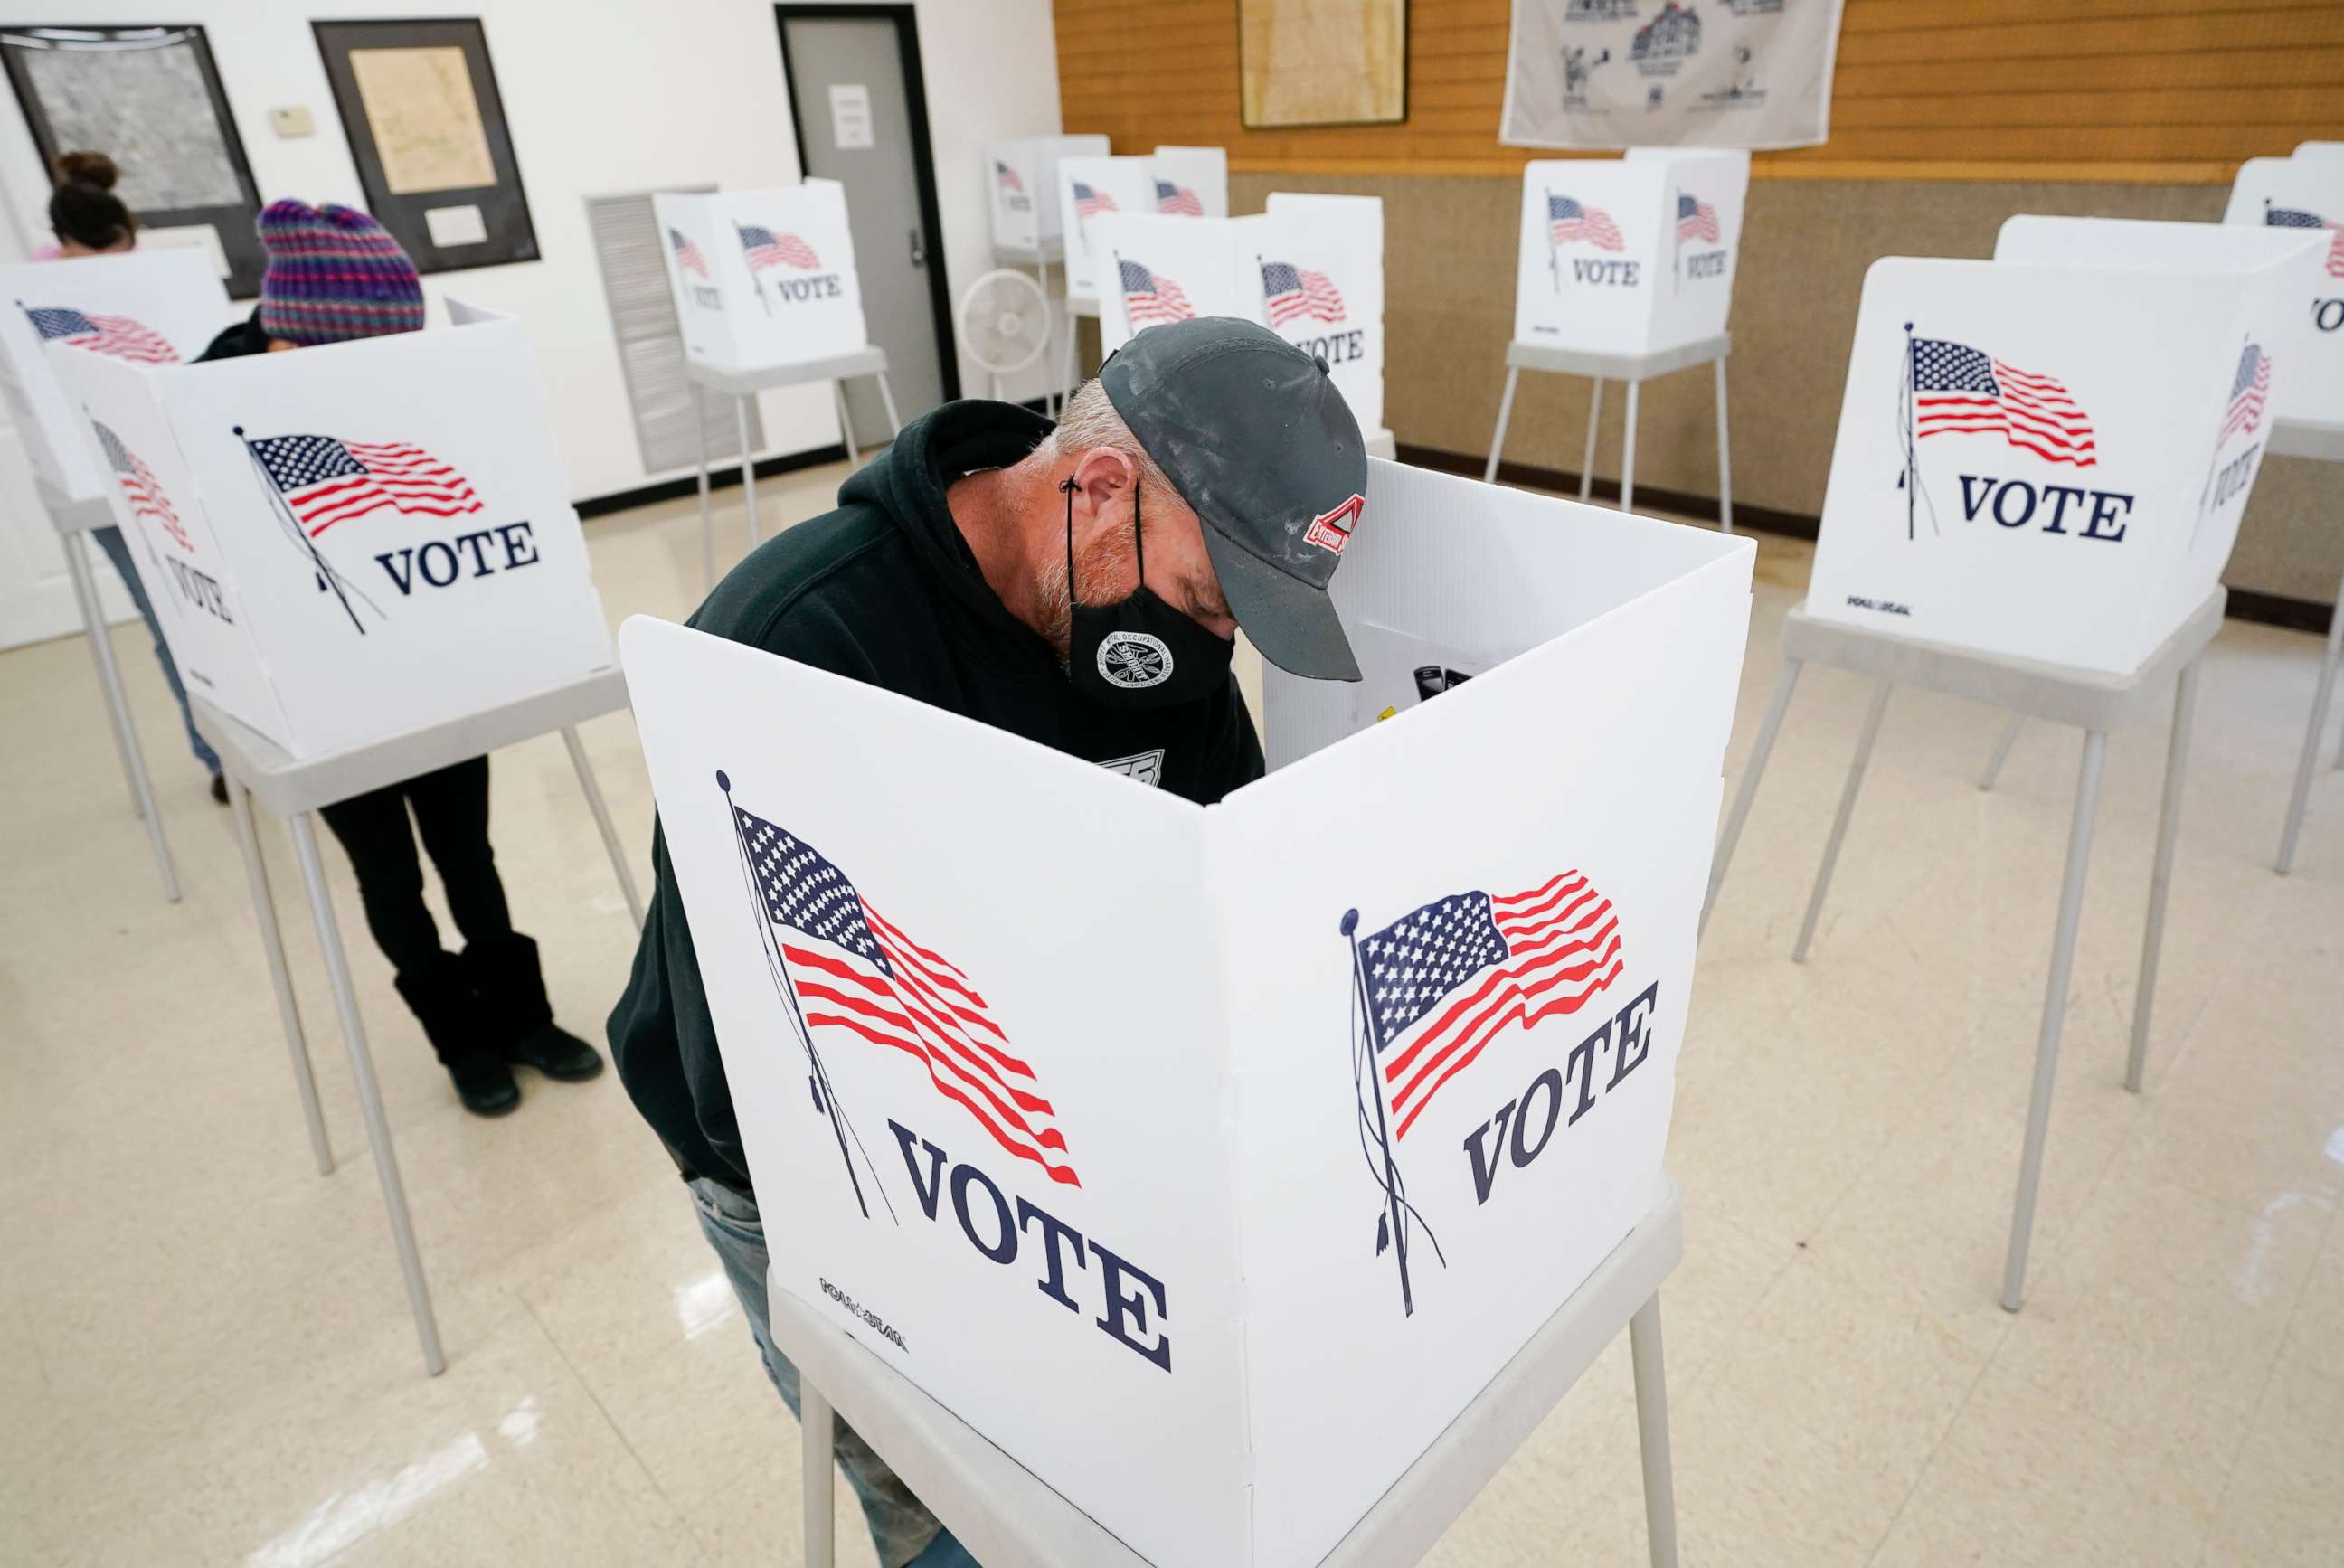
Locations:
(334, 273)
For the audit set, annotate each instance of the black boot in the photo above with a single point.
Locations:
(441, 997)
(514, 1016)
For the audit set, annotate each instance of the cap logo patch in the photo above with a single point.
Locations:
(1331, 531)
(1134, 661)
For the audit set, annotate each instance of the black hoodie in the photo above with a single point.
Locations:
(885, 590)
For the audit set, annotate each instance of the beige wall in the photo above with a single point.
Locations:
(1448, 306)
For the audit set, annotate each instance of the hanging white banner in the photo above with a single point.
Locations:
(1634, 72)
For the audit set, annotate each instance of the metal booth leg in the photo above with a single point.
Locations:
(125, 735)
(748, 467)
(845, 425)
(2313, 731)
(1586, 458)
(272, 947)
(593, 793)
(887, 401)
(385, 1157)
(1840, 822)
(1505, 417)
(815, 1433)
(1652, 1431)
(2160, 880)
(1725, 457)
(1627, 453)
(1748, 791)
(2055, 1011)
(2002, 751)
(1049, 396)
(707, 524)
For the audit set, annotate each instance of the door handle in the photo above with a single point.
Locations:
(919, 248)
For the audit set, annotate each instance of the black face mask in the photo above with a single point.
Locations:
(1140, 653)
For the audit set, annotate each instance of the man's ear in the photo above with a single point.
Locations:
(1105, 475)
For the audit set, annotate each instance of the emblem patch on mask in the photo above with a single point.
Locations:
(1330, 531)
(1146, 767)
(1134, 661)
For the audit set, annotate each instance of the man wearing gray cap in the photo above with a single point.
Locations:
(1080, 586)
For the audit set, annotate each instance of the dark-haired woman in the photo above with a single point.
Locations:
(89, 219)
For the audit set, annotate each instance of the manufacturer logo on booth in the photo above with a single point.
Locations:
(1431, 991)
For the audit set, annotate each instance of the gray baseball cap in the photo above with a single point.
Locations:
(1253, 436)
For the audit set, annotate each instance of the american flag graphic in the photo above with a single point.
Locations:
(116, 335)
(848, 967)
(765, 248)
(1007, 177)
(138, 482)
(325, 482)
(1445, 980)
(1177, 199)
(1291, 291)
(2296, 217)
(1150, 296)
(1696, 219)
(687, 255)
(1568, 222)
(1961, 391)
(2248, 390)
(1089, 203)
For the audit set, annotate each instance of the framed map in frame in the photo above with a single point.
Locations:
(427, 130)
(148, 97)
(1322, 62)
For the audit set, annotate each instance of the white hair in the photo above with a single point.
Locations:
(1089, 421)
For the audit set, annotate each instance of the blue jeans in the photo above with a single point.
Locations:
(117, 551)
(906, 1534)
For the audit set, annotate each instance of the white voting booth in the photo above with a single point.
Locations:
(1311, 270)
(367, 567)
(1114, 1126)
(154, 308)
(1022, 175)
(767, 292)
(1625, 272)
(1174, 182)
(2032, 498)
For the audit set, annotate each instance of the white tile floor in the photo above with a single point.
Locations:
(207, 1357)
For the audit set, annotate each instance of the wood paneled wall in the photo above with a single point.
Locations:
(2159, 91)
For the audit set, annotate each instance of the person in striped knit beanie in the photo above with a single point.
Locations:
(334, 275)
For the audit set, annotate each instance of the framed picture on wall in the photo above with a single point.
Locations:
(427, 129)
(1322, 62)
(149, 98)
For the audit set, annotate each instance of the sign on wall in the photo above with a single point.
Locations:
(763, 277)
(1310, 270)
(2304, 194)
(1667, 73)
(2021, 470)
(347, 543)
(1629, 256)
(1106, 1198)
(1021, 177)
(149, 307)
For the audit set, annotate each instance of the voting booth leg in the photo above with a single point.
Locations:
(1627, 454)
(707, 524)
(1768, 728)
(1652, 1431)
(1505, 417)
(1725, 458)
(2054, 1012)
(385, 1158)
(2322, 693)
(845, 425)
(593, 792)
(2002, 751)
(125, 735)
(1586, 458)
(2160, 879)
(748, 467)
(1839, 821)
(272, 947)
(886, 402)
(817, 1430)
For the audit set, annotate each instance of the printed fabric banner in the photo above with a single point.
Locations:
(1634, 72)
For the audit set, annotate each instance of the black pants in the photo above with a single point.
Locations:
(451, 813)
